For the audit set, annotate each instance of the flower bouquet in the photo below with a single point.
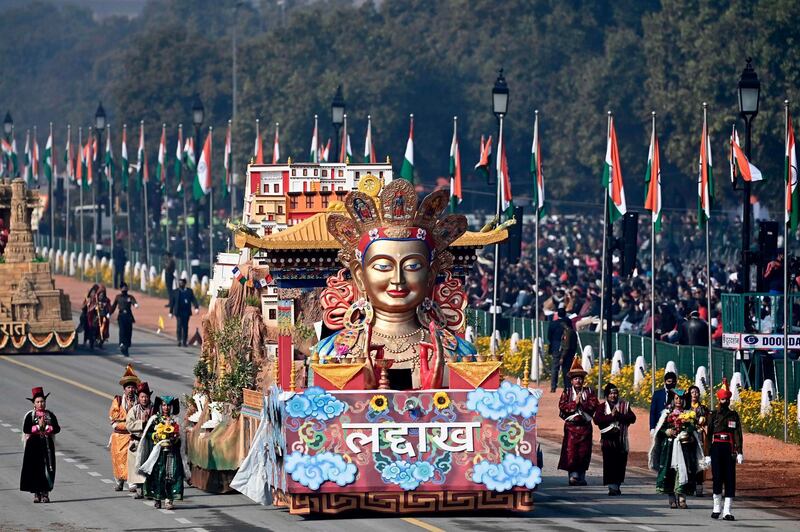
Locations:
(166, 433)
(682, 424)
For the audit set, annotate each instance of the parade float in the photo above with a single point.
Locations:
(35, 316)
(364, 394)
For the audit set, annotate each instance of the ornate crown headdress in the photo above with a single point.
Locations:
(396, 216)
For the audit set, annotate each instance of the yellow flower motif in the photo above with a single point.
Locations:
(379, 403)
(441, 400)
(169, 429)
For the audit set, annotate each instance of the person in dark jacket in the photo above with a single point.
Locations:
(561, 352)
(120, 258)
(181, 307)
(169, 275)
(613, 417)
(39, 460)
(125, 303)
(659, 400)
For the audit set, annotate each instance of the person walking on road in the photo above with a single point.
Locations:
(120, 437)
(658, 402)
(723, 450)
(39, 460)
(169, 276)
(613, 417)
(576, 407)
(563, 342)
(135, 421)
(160, 460)
(125, 303)
(120, 258)
(182, 303)
(692, 400)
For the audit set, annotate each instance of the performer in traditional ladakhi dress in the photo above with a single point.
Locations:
(135, 421)
(723, 451)
(160, 456)
(576, 407)
(613, 417)
(120, 437)
(39, 460)
(676, 451)
(693, 402)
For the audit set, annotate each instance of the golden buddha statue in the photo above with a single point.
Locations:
(392, 311)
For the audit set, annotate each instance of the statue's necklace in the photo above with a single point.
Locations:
(401, 343)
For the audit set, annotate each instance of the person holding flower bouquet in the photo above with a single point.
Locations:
(160, 460)
(693, 402)
(676, 451)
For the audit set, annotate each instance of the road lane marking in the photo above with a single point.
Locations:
(81, 466)
(6, 425)
(58, 377)
(183, 521)
(94, 474)
(593, 510)
(644, 527)
(165, 511)
(15, 430)
(618, 519)
(198, 529)
(59, 453)
(107, 480)
(422, 524)
(70, 460)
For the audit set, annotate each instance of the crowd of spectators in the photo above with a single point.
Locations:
(570, 255)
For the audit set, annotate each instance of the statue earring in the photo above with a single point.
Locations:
(359, 314)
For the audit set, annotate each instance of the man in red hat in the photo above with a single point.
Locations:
(723, 448)
(576, 407)
(135, 421)
(120, 437)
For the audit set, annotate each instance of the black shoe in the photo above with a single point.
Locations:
(582, 483)
(714, 515)
(729, 517)
(157, 505)
(180, 344)
(118, 485)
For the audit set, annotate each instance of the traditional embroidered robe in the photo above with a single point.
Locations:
(576, 409)
(162, 466)
(135, 421)
(120, 437)
(614, 439)
(39, 460)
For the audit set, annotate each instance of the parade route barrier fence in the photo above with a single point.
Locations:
(687, 358)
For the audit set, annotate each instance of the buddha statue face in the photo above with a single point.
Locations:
(395, 275)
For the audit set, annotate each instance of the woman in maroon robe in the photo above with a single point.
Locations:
(612, 417)
(576, 407)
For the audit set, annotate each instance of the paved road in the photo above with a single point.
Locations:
(81, 385)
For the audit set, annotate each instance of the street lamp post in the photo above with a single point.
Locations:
(499, 107)
(337, 119)
(198, 115)
(99, 126)
(749, 89)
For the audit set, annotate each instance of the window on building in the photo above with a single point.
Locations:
(280, 209)
(272, 314)
(271, 217)
(292, 203)
(268, 230)
(324, 188)
(294, 172)
(305, 172)
(276, 188)
(309, 202)
(358, 175)
(266, 189)
(341, 173)
(324, 202)
(316, 172)
(260, 209)
(324, 173)
(380, 174)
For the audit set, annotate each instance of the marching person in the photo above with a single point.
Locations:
(119, 258)
(658, 402)
(723, 451)
(135, 421)
(693, 403)
(160, 459)
(181, 307)
(39, 460)
(125, 303)
(613, 417)
(576, 407)
(563, 344)
(120, 437)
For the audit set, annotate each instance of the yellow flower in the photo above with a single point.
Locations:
(441, 400)
(169, 429)
(379, 403)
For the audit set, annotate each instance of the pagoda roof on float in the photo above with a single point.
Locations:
(312, 233)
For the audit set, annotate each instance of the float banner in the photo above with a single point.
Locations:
(759, 341)
(423, 440)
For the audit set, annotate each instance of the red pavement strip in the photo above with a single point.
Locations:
(150, 308)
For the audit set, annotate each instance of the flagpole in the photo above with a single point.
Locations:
(603, 281)
(144, 193)
(185, 214)
(231, 182)
(80, 195)
(50, 188)
(786, 324)
(127, 190)
(67, 185)
(653, 275)
(707, 192)
(535, 352)
(210, 212)
(165, 199)
(111, 213)
(492, 341)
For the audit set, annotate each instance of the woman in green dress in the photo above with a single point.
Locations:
(676, 452)
(162, 463)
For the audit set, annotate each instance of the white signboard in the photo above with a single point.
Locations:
(758, 341)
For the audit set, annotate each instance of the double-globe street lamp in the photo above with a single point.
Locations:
(499, 107)
(337, 119)
(749, 90)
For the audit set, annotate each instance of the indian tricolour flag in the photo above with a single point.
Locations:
(161, 165)
(536, 169)
(652, 179)
(407, 170)
(506, 200)
(369, 146)
(455, 169)
(142, 174)
(258, 150)
(48, 156)
(123, 154)
(227, 161)
(203, 184)
(612, 175)
(705, 178)
(313, 150)
(69, 164)
(178, 164)
(790, 173)
(747, 170)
